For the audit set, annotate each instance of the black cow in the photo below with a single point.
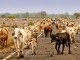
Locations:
(61, 38)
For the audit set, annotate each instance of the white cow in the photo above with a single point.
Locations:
(72, 32)
(17, 36)
(22, 37)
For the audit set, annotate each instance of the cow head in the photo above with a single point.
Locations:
(16, 33)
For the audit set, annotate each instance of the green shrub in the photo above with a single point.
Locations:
(30, 23)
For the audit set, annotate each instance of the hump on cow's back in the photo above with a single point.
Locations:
(5, 30)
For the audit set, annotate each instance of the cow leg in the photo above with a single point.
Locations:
(27, 45)
(59, 48)
(33, 47)
(69, 47)
(33, 50)
(70, 39)
(77, 32)
(73, 40)
(50, 32)
(46, 33)
(63, 48)
(22, 50)
(6, 42)
(3, 42)
(18, 46)
(18, 53)
(56, 45)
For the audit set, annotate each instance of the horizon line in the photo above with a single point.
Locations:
(38, 12)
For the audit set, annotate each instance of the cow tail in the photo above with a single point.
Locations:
(68, 42)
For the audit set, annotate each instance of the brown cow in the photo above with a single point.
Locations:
(3, 36)
(47, 30)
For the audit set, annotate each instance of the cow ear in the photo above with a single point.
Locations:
(12, 34)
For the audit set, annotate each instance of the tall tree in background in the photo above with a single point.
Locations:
(63, 16)
(43, 14)
(77, 15)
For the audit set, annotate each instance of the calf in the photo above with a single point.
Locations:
(61, 38)
(33, 43)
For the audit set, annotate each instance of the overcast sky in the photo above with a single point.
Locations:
(50, 6)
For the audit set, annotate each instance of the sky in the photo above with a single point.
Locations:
(31, 6)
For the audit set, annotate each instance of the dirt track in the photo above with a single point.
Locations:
(46, 51)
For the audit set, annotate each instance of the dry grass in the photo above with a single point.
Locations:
(10, 39)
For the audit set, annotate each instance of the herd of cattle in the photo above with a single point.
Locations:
(28, 35)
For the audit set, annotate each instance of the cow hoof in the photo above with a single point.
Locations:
(42, 36)
(21, 56)
(27, 47)
(61, 53)
(51, 55)
(34, 53)
(5, 45)
(18, 57)
(57, 53)
(73, 41)
(69, 53)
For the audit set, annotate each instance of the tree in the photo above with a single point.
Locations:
(77, 15)
(3, 16)
(67, 15)
(63, 16)
(43, 14)
(26, 15)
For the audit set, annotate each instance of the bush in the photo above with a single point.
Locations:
(30, 23)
